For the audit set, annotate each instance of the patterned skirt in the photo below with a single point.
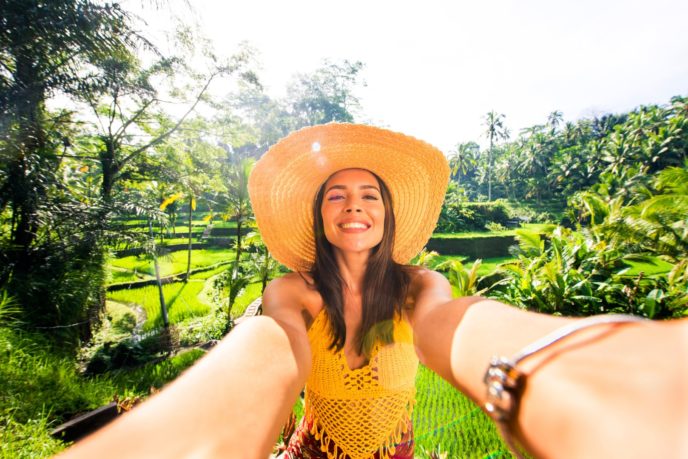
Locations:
(303, 445)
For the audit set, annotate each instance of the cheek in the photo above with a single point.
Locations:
(380, 223)
(328, 220)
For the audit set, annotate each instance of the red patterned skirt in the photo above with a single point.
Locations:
(303, 445)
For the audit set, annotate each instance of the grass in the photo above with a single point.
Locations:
(251, 292)
(447, 420)
(41, 389)
(139, 381)
(537, 227)
(133, 267)
(487, 266)
(210, 273)
(222, 224)
(181, 221)
(182, 300)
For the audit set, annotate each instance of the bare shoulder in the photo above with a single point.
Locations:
(291, 297)
(423, 279)
(285, 291)
(428, 290)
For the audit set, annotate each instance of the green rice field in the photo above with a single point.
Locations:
(446, 420)
(536, 227)
(137, 267)
(182, 301)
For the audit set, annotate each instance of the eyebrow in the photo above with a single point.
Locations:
(362, 187)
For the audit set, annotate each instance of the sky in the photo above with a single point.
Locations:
(433, 69)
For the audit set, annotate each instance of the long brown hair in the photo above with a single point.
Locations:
(385, 283)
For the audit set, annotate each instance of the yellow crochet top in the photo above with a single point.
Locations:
(366, 410)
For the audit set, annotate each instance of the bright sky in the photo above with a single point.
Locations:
(434, 68)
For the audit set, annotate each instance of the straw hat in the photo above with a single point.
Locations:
(285, 180)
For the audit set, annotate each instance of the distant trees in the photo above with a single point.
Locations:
(550, 162)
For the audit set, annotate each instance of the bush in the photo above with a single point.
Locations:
(458, 216)
(130, 353)
(495, 227)
(212, 326)
(59, 287)
(576, 274)
(155, 375)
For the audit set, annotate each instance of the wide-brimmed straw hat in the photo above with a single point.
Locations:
(285, 180)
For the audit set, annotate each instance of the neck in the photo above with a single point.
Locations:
(352, 268)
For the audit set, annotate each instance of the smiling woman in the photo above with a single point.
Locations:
(357, 293)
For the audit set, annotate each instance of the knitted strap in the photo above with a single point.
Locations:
(504, 381)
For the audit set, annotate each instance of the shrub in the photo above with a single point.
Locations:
(457, 215)
(125, 323)
(576, 274)
(209, 327)
(495, 227)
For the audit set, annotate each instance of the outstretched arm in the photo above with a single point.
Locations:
(611, 391)
(232, 403)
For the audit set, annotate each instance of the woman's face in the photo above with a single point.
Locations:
(352, 210)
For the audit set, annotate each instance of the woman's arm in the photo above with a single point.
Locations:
(232, 403)
(611, 391)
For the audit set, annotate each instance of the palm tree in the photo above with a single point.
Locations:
(239, 204)
(554, 119)
(260, 262)
(495, 130)
(462, 159)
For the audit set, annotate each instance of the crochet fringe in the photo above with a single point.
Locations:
(385, 451)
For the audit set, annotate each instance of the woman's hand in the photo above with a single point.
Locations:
(620, 391)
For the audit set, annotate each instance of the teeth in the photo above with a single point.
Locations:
(353, 225)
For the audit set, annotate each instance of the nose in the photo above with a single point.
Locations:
(352, 206)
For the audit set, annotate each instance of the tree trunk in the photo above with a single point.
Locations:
(27, 190)
(238, 239)
(489, 173)
(109, 168)
(188, 258)
(266, 271)
(163, 306)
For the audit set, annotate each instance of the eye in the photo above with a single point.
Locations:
(371, 197)
(335, 197)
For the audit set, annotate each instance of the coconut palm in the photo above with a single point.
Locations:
(554, 119)
(461, 160)
(494, 131)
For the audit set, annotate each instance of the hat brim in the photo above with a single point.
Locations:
(284, 182)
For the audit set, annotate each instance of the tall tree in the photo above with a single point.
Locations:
(52, 261)
(495, 130)
(554, 119)
(129, 111)
(44, 46)
(325, 95)
(239, 206)
(462, 159)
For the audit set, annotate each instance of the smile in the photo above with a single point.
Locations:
(354, 225)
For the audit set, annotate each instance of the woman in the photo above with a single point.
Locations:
(346, 322)
(351, 292)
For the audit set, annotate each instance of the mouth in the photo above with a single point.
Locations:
(354, 226)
